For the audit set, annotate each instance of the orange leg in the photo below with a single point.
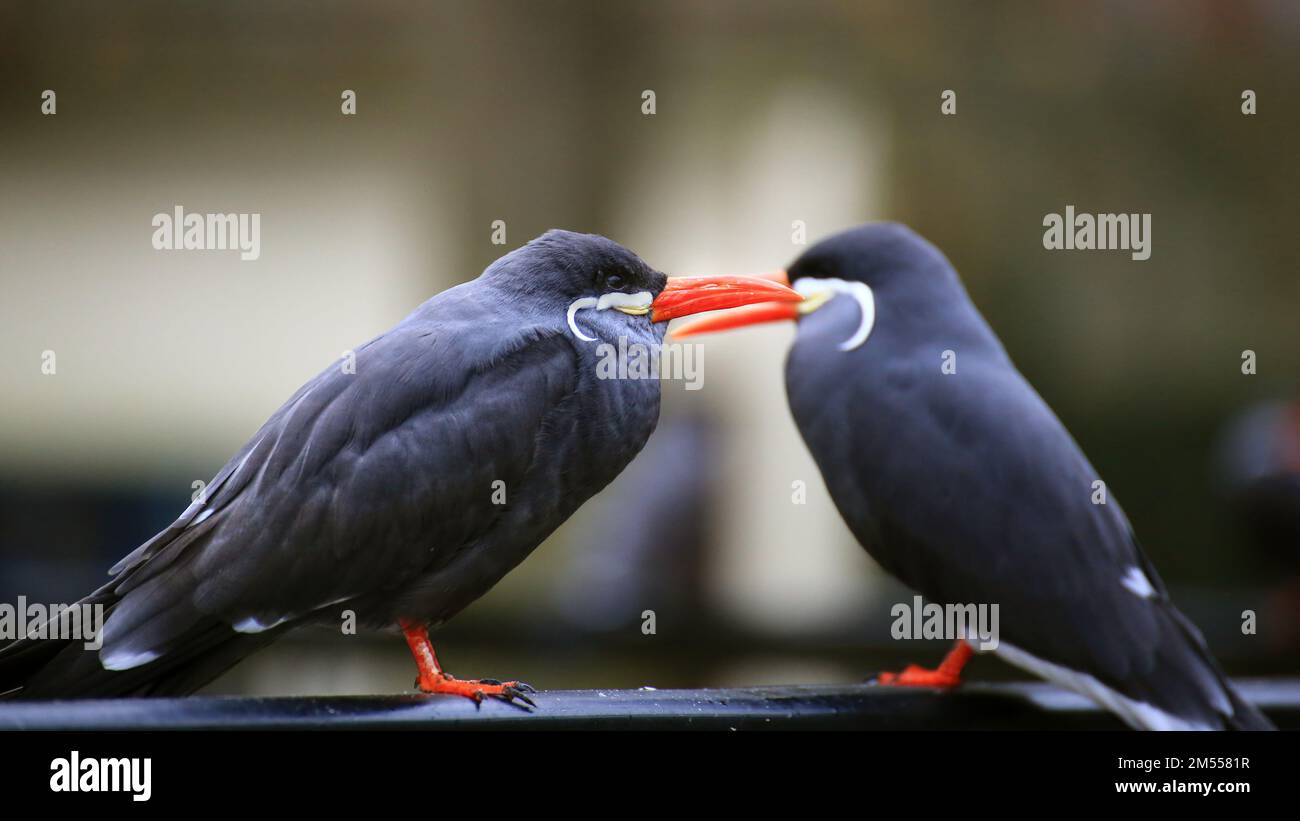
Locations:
(946, 675)
(433, 680)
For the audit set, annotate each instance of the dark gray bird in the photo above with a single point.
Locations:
(963, 483)
(403, 488)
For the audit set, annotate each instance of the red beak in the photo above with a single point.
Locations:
(750, 314)
(738, 318)
(684, 296)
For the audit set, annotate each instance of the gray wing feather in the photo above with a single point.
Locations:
(357, 485)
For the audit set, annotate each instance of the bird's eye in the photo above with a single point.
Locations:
(613, 282)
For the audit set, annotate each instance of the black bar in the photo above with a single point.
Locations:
(1018, 706)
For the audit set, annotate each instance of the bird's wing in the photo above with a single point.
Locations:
(358, 484)
(982, 496)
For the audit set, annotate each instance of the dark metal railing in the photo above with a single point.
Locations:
(1016, 706)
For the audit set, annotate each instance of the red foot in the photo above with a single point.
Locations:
(433, 680)
(946, 676)
(476, 689)
(916, 676)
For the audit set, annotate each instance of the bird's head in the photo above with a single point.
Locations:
(605, 290)
(853, 266)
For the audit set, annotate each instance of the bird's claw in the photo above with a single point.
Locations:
(518, 690)
(508, 691)
(511, 692)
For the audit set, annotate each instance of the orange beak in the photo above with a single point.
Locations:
(684, 296)
(750, 314)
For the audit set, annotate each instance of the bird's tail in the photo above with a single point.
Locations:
(54, 668)
(1198, 662)
(1176, 686)
(1246, 716)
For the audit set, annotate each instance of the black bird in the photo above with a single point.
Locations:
(967, 487)
(402, 488)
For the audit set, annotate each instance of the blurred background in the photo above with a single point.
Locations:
(765, 114)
